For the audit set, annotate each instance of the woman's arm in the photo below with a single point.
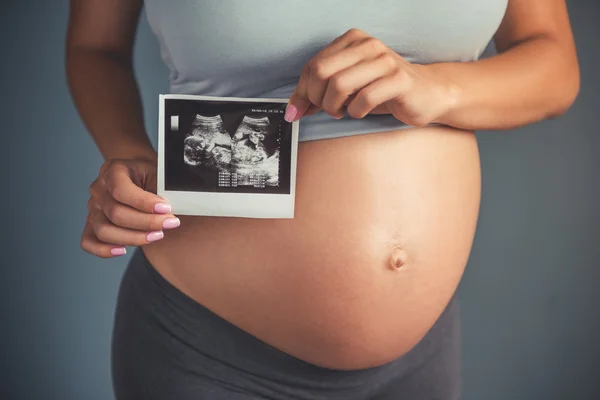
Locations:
(123, 209)
(534, 76)
(100, 74)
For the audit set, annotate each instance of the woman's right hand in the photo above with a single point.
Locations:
(124, 210)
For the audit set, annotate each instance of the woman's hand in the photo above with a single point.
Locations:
(123, 209)
(359, 74)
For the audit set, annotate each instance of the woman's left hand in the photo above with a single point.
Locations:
(361, 75)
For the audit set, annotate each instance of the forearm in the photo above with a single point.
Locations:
(532, 81)
(107, 98)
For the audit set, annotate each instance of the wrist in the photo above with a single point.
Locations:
(142, 153)
(453, 100)
(450, 95)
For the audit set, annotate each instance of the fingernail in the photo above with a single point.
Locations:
(154, 236)
(162, 208)
(171, 223)
(118, 251)
(291, 113)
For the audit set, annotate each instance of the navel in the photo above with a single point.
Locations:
(397, 259)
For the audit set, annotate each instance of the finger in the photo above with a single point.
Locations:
(91, 244)
(108, 232)
(316, 83)
(92, 204)
(349, 37)
(128, 217)
(349, 81)
(312, 110)
(299, 102)
(121, 188)
(354, 53)
(380, 109)
(378, 92)
(323, 69)
(341, 42)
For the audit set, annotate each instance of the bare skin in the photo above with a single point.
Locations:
(384, 223)
(365, 267)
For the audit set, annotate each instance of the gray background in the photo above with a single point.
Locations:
(529, 294)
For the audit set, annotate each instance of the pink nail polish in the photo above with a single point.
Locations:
(171, 223)
(118, 251)
(291, 113)
(154, 236)
(162, 208)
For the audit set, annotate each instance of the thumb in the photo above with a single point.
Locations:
(296, 108)
(299, 102)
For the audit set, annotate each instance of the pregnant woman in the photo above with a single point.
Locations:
(353, 298)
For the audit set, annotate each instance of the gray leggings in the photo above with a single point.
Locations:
(167, 346)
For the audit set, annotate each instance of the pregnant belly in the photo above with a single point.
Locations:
(383, 229)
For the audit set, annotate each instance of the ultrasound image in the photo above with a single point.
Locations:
(229, 147)
(208, 143)
(244, 156)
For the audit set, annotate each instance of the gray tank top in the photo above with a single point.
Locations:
(258, 48)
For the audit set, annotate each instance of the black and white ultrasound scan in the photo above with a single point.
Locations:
(227, 156)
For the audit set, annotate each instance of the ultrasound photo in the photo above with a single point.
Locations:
(221, 147)
(249, 158)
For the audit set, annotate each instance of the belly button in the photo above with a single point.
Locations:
(398, 258)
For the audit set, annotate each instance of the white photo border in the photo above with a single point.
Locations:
(243, 205)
